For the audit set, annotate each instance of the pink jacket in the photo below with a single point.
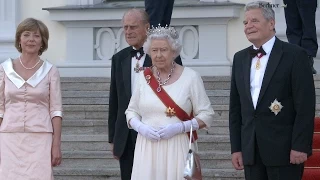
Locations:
(29, 106)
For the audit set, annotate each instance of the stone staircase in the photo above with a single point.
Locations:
(86, 151)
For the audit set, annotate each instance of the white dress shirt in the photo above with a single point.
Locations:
(256, 76)
(134, 75)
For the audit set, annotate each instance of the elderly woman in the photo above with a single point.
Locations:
(30, 108)
(168, 100)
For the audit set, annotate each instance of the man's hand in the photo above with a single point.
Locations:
(237, 160)
(297, 157)
(116, 157)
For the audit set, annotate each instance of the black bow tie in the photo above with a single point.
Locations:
(134, 52)
(254, 52)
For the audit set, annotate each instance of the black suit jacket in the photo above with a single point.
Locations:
(120, 94)
(288, 78)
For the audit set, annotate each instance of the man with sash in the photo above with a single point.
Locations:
(126, 65)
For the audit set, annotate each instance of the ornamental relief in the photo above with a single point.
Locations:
(108, 41)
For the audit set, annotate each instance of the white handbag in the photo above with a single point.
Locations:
(192, 170)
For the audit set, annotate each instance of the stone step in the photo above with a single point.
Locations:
(97, 93)
(74, 115)
(100, 143)
(85, 101)
(84, 143)
(105, 107)
(89, 159)
(100, 127)
(84, 127)
(85, 94)
(101, 112)
(85, 86)
(216, 100)
(102, 173)
(209, 159)
(84, 79)
(94, 84)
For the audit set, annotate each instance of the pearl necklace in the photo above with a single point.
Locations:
(166, 80)
(26, 67)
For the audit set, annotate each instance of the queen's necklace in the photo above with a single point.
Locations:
(26, 67)
(166, 80)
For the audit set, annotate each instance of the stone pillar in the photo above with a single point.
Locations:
(8, 21)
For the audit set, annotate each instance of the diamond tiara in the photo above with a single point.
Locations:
(169, 31)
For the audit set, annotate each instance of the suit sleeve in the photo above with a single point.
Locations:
(303, 92)
(113, 102)
(178, 60)
(234, 112)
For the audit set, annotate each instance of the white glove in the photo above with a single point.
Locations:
(145, 130)
(171, 130)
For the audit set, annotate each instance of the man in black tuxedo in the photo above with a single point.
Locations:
(272, 102)
(126, 64)
(159, 11)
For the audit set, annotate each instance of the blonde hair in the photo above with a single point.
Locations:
(31, 24)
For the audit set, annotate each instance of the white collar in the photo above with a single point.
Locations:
(17, 80)
(267, 47)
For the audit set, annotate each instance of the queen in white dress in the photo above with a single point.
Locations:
(162, 143)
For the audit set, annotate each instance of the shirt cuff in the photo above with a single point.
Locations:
(1, 115)
(56, 113)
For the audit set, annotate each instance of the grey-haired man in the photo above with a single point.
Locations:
(272, 102)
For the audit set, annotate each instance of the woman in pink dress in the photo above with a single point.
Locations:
(30, 108)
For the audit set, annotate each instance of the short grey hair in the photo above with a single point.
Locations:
(140, 12)
(174, 42)
(266, 8)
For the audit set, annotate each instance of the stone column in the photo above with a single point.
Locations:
(8, 21)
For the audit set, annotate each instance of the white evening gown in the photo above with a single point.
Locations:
(165, 159)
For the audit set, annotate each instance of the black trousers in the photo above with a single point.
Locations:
(126, 160)
(159, 11)
(259, 171)
(301, 28)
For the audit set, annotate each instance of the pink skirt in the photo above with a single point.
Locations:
(25, 156)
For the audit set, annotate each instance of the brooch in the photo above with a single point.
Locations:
(148, 77)
(275, 107)
(170, 112)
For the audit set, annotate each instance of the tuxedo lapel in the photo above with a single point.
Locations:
(147, 61)
(272, 64)
(126, 74)
(246, 74)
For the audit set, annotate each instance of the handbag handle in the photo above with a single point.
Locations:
(194, 142)
(190, 137)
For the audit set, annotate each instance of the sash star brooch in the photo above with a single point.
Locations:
(275, 107)
(170, 112)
